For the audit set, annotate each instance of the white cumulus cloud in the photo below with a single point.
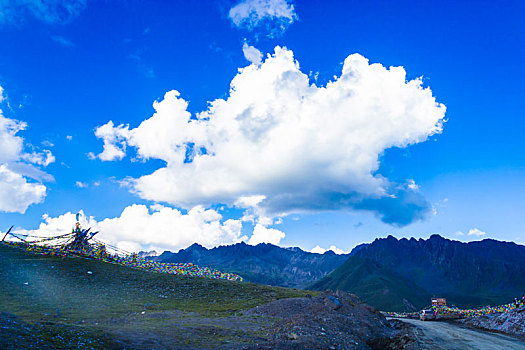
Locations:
(274, 15)
(476, 232)
(290, 145)
(169, 228)
(262, 234)
(154, 228)
(11, 145)
(17, 193)
(317, 249)
(114, 141)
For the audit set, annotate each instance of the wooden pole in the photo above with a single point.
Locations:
(8, 231)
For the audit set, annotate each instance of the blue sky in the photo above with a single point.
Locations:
(68, 68)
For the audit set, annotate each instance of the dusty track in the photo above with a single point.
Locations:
(446, 336)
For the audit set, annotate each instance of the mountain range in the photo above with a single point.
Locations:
(263, 263)
(390, 274)
(402, 275)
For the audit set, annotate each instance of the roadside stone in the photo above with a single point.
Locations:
(333, 302)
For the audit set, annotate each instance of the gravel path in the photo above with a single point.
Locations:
(446, 336)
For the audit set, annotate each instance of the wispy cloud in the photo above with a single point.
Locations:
(47, 11)
(145, 69)
(358, 225)
(252, 54)
(62, 41)
(272, 15)
(472, 232)
(81, 184)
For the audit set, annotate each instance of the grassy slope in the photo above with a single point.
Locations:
(373, 284)
(60, 293)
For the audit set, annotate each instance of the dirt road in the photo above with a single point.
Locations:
(446, 336)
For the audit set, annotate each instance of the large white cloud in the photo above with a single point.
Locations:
(17, 193)
(169, 228)
(293, 145)
(274, 15)
(158, 228)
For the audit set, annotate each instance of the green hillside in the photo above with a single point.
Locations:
(374, 284)
(394, 275)
(89, 301)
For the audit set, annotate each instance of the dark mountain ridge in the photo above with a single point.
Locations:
(405, 273)
(263, 263)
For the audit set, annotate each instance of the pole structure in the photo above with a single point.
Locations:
(8, 231)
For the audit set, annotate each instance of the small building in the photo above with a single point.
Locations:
(439, 301)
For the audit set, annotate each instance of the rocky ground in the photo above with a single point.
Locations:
(512, 322)
(329, 321)
(326, 321)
